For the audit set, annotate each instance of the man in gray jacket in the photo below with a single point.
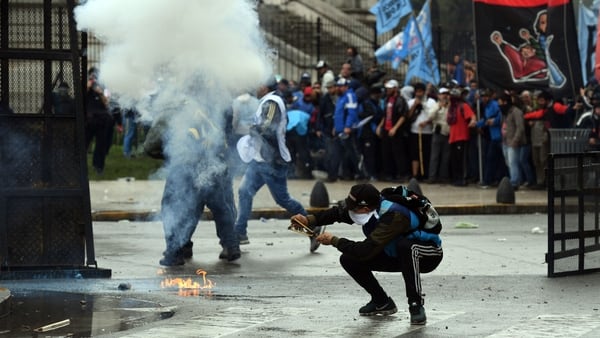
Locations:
(513, 137)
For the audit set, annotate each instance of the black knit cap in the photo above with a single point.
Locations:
(363, 195)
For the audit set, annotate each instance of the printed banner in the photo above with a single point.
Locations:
(389, 12)
(528, 44)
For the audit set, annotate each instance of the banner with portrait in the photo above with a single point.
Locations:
(528, 44)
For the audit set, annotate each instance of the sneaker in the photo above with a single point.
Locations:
(372, 309)
(230, 254)
(243, 239)
(417, 314)
(314, 244)
(187, 251)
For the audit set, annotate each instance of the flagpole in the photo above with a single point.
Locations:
(479, 153)
(571, 80)
(427, 55)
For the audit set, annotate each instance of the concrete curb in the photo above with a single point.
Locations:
(277, 213)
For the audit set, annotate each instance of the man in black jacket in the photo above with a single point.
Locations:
(394, 243)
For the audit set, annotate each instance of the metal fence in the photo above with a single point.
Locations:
(573, 213)
(45, 220)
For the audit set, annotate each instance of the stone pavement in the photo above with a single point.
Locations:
(491, 283)
(140, 200)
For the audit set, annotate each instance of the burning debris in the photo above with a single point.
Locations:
(189, 287)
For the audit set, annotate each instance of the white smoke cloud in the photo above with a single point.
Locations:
(180, 40)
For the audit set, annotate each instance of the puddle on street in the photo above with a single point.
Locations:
(80, 315)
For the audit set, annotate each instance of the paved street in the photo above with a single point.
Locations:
(491, 283)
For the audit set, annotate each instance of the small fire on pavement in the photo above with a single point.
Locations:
(188, 287)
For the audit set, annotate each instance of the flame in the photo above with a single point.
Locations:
(188, 287)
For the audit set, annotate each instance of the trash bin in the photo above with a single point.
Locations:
(568, 141)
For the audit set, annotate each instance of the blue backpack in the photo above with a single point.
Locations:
(429, 219)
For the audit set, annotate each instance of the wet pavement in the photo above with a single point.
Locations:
(491, 283)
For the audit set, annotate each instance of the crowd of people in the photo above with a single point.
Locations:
(363, 125)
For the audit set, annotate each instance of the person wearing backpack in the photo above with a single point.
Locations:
(402, 235)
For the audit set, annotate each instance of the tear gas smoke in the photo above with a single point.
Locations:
(181, 60)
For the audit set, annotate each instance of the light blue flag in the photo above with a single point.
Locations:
(586, 29)
(386, 51)
(424, 22)
(389, 12)
(418, 66)
(397, 48)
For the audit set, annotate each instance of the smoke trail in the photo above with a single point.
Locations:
(193, 56)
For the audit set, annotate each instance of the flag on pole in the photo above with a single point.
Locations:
(527, 44)
(424, 23)
(396, 49)
(419, 66)
(389, 12)
(586, 36)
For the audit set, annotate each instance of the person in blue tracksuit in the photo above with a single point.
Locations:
(345, 120)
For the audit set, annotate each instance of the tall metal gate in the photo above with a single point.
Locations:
(45, 216)
(573, 213)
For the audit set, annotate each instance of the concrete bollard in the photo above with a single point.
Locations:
(413, 185)
(506, 192)
(319, 198)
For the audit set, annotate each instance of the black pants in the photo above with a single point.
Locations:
(394, 155)
(458, 161)
(98, 127)
(414, 258)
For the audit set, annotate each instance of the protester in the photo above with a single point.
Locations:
(419, 115)
(439, 162)
(356, 62)
(267, 155)
(130, 127)
(325, 74)
(513, 138)
(392, 130)
(370, 108)
(198, 176)
(325, 130)
(460, 118)
(393, 243)
(592, 122)
(550, 114)
(98, 120)
(345, 157)
(490, 126)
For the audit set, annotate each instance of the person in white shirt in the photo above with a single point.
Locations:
(420, 111)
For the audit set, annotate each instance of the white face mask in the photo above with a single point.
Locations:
(361, 219)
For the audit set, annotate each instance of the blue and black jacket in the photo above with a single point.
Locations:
(394, 222)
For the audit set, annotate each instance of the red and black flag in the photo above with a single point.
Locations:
(527, 44)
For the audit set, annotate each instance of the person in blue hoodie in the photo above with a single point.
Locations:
(394, 243)
(345, 121)
(491, 125)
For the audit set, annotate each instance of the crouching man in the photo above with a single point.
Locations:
(394, 243)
